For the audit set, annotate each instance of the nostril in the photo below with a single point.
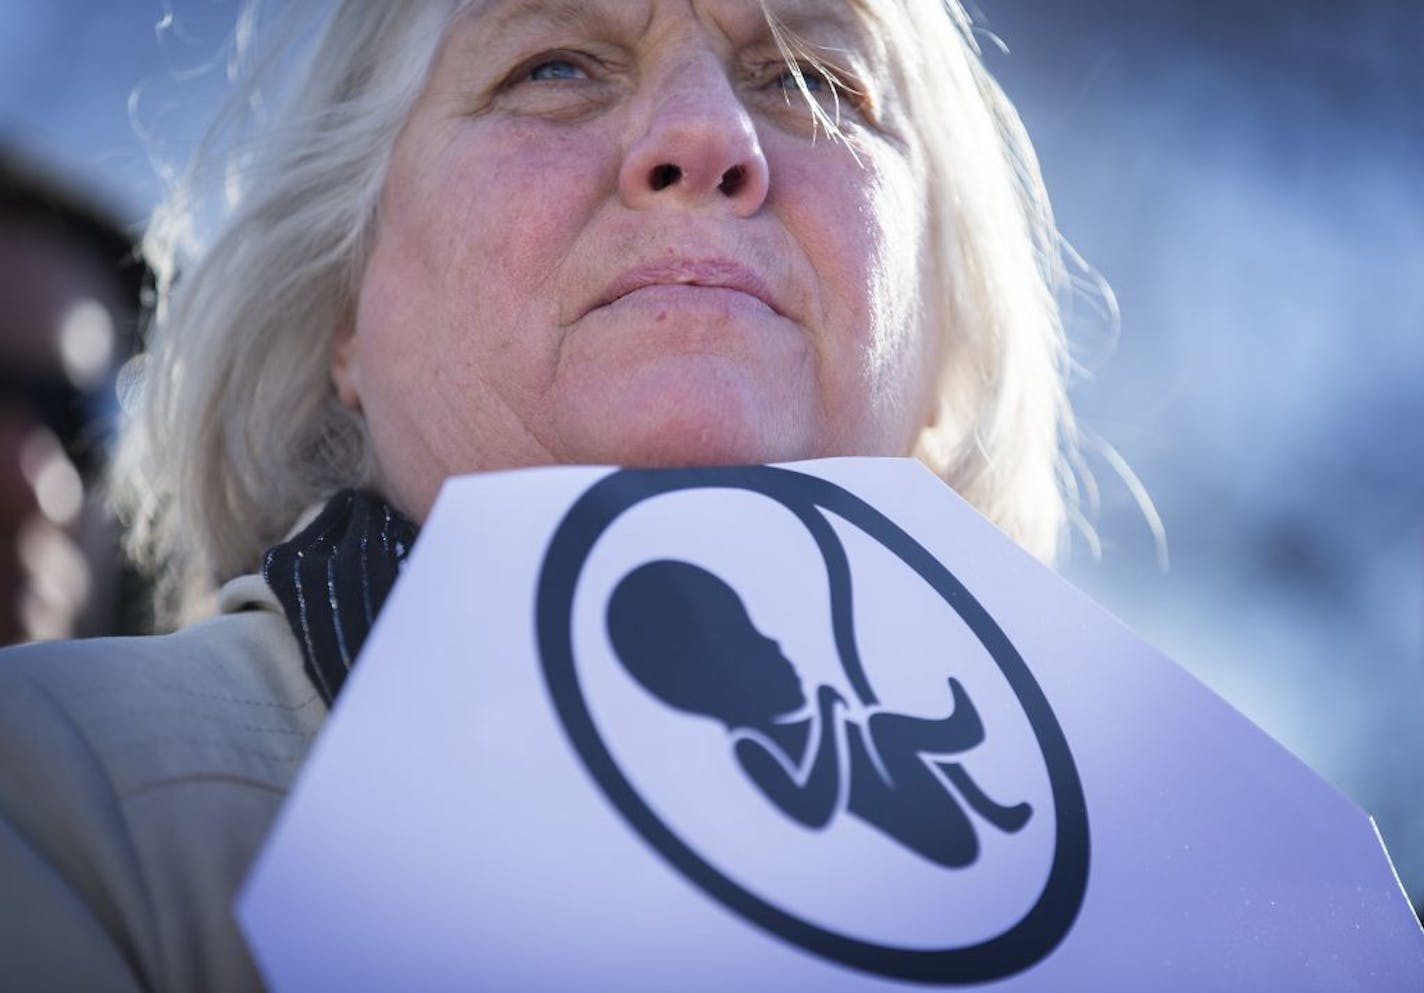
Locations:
(663, 176)
(732, 180)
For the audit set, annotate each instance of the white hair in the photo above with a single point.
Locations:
(1004, 437)
(235, 428)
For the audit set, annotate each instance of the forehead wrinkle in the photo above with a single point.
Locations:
(503, 16)
(806, 19)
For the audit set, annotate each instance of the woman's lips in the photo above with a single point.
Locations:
(665, 297)
(718, 283)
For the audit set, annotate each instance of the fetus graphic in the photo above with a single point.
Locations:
(685, 636)
(623, 621)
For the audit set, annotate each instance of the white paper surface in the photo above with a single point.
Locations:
(485, 810)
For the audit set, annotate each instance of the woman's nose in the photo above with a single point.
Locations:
(696, 146)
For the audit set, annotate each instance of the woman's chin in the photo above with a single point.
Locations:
(713, 427)
(684, 443)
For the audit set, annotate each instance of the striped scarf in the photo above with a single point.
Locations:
(333, 577)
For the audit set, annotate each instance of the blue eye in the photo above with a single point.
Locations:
(555, 69)
(816, 81)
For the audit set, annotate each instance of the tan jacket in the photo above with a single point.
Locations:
(138, 777)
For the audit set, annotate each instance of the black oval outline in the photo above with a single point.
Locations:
(1036, 934)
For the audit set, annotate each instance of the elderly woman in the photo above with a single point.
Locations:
(488, 235)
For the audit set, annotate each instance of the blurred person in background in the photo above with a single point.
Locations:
(70, 286)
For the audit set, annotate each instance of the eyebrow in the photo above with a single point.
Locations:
(805, 16)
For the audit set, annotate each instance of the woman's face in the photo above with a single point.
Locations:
(612, 233)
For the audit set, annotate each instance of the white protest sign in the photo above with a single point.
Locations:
(815, 727)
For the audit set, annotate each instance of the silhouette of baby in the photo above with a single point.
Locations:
(685, 636)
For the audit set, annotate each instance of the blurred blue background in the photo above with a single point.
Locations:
(1249, 177)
